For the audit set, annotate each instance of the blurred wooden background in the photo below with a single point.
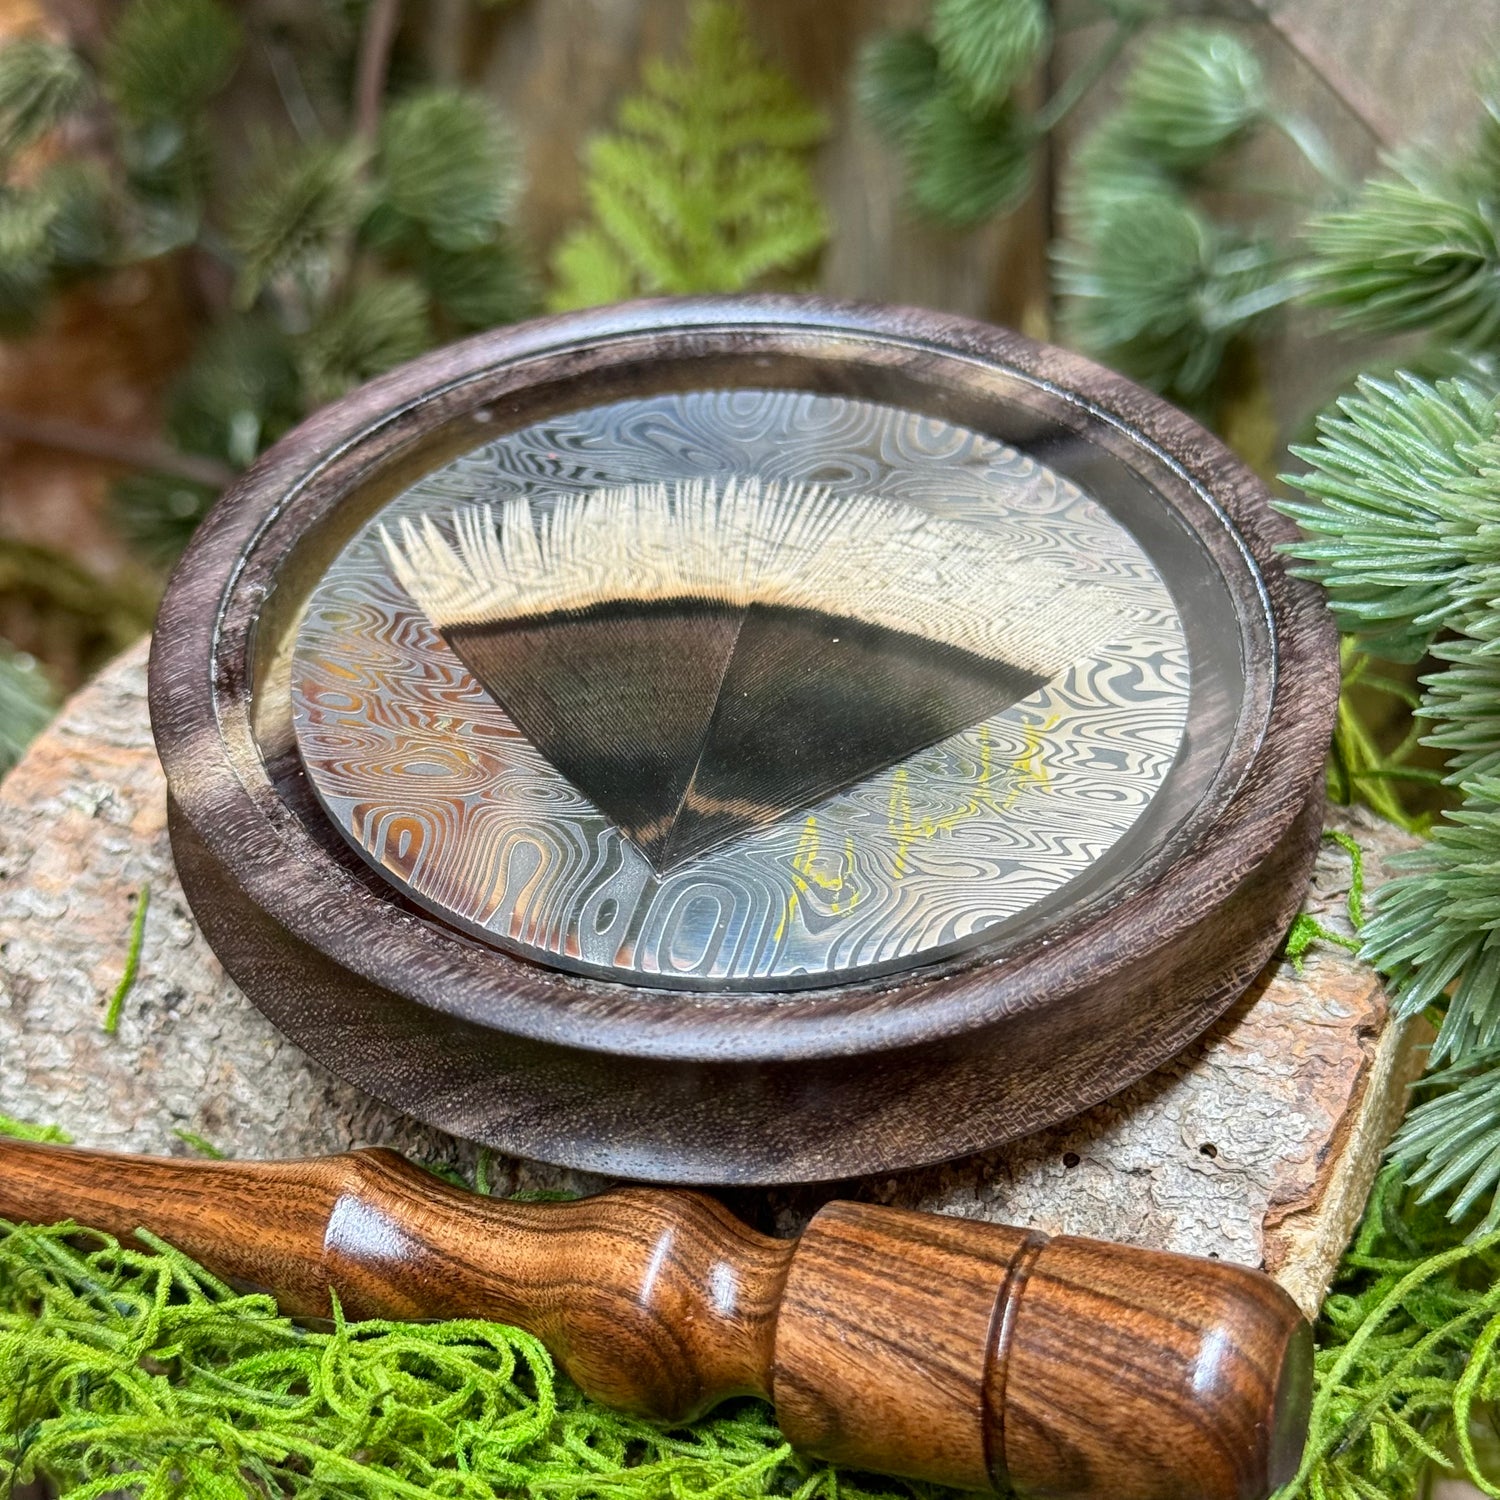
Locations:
(1368, 71)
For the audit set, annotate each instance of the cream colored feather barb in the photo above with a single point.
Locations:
(796, 546)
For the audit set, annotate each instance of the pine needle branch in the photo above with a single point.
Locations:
(898, 73)
(988, 46)
(167, 58)
(1160, 290)
(296, 215)
(378, 323)
(41, 84)
(1450, 1142)
(447, 165)
(946, 100)
(1418, 248)
(1402, 524)
(1155, 280)
(326, 261)
(1194, 91)
(1384, 520)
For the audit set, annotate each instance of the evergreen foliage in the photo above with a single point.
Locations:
(80, 234)
(1435, 929)
(989, 46)
(448, 164)
(293, 215)
(239, 393)
(1387, 522)
(706, 185)
(25, 264)
(1400, 522)
(1417, 249)
(966, 166)
(899, 72)
(166, 59)
(370, 327)
(948, 99)
(347, 249)
(1153, 281)
(1452, 1135)
(1195, 91)
(1161, 290)
(158, 513)
(41, 84)
(165, 63)
(945, 99)
(478, 288)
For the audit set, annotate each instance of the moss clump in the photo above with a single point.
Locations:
(128, 1372)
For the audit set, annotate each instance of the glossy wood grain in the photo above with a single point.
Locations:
(890, 1326)
(913, 1344)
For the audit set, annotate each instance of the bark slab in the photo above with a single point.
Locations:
(1257, 1145)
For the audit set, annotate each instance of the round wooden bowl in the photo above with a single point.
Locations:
(735, 1083)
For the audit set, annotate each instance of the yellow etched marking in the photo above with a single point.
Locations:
(808, 874)
(1028, 769)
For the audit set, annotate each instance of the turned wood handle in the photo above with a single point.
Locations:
(970, 1354)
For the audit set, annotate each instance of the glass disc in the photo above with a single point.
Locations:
(953, 701)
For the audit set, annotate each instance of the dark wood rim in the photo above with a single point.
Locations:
(202, 684)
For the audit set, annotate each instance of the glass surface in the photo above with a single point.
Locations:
(844, 688)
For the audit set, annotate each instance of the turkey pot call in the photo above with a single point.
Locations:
(744, 740)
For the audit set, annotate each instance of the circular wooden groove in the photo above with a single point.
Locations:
(745, 1087)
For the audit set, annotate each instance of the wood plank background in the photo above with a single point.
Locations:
(560, 70)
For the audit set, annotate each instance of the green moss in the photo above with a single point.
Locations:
(24, 1130)
(132, 962)
(1307, 929)
(1406, 1355)
(136, 1373)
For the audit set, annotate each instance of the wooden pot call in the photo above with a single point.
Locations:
(936, 1348)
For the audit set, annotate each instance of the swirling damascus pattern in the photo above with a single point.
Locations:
(434, 785)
